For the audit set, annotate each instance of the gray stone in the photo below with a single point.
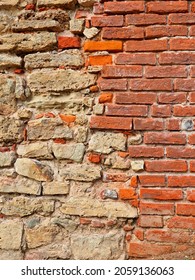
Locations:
(39, 150)
(81, 172)
(187, 124)
(109, 194)
(93, 246)
(11, 130)
(106, 142)
(10, 234)
(9, 60)
(73, 152)
(85, 206)
(137, 165)
(66, 223)
(33, 222)
(91, 32)
(7, 159)
(56, 188)
(49, 60)
(77, 26)
(7, 94)
(36, 25)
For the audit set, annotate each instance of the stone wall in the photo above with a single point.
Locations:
(97, 129)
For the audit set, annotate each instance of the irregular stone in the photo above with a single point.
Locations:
(39, 150)
(28, 42)
(5, 22)
(87, 3)
(137, 165)
(48, 60)
(109, 194)
(85, 206)
(77, 26)
(42, 235)
(9, 60)
(20, 88)
(56, 188)
(48, 128)
(70, 4)
(7, 4)
(92, 246)
(10, 235)
(10, 255)
(106, 142)
(81, 172)
(24, 113)
(187, 124)
(59, 80)
(24, 206)
(66, 223)
(36, 25)
(33, 222)
(118, 162)
(7, 94)
(33, 169)
(134, 140)
(73, 152)
(11, 130)
(19, 185)
(80, 134)
(91, 32)
(98, 109)
(7, 159)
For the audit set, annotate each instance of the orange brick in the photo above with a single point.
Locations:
(113, 46)
(68, 42)
(126, 193)
(95, 158)
(100, 60)
(67, 118)
(105, 97)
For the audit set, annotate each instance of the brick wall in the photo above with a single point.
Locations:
(97, 129)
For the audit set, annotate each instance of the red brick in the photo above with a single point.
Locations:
(149, 221)
(134, 182)
(85, 221)
(127, 193)
(111, 123)
(191, 195)
(185, 209)
(112, 84)
(152, 180)
(100, 60)
(112, 46)
(95, 158)
(68, 42)
(163, 7)
(192, 31)
(192, 164)
(121, 110)
(136, 58)
(30, 7)
(166, 31)
(151, 84)
(146, 45)
(192, 97)
(98, 8)
(191, 139)
(135, 97)
(145, 19)
(148, 124)
(146, 249)
(166, 166)
(102, 21)
(139, 233)
(123, 33)
(164, 235)
(181, 222)
(161, 194)
(156, 208)
(165, 71)
(145, 151)
(184, 111)
(172, 97)
(181, 181)
(181, 18)
(123, 7)
(121, 71)
(115, 177)
(165, 138)
(177, 44)
(162, 111)
(105, 97)
(193, 7)
(173, 124)
(181, 152)
(97, 224)
(185, 58)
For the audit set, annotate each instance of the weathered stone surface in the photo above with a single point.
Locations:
(68, 224)
(56, 188)
(85, 206)
(7, 159)
(11, 130)
(36, 25)
(7, 4)
(81, 172)
(86, 3)
(26, 42)
(39, 150)
(7, 94)
(33, 169)
(42, 235)
(187, 124)
(20, 88)
(80, 134)
(98, 109)
(47, 60)
(10, 60)
(59, 80)
(10, 255)
(137, 165)
(134, 140)
(48, 128)
(117, 162)
(106, 142)
(109, 246)
(24, 206)
(24, 113)
(77, 26)
(91, 32)
(73, 152)
(10, 235)
(59, 3)
(5, 21)
(109, 194)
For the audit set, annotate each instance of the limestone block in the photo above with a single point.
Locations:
(36, 25)
(73, 152)
(7, 94)
(10, 255)
(7, 159)
(38, 150)
(81, 172)
(9, 60)
(10, 234)
(11, 130)
(137, 165)
(55, 188)
(7, 4)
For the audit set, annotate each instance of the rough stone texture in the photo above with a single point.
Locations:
(82, 172)
(33, 169)
(10, 235)
(7, 159)
(134, 139)
(10, 255)
(5, 3)
(7, 94)
(39, 150)
(77, 26)
(93, 246)
(59, 3)
(36, 25)
(9, 60)
(55, 188)
(86, 3)
(73, 152)
(106, 142)
(91, 32)
(11, 130)
(137, 165)
(91, 207)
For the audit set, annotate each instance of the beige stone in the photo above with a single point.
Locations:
(137, 165)
(106, 142)
(10, 234)
(24, 206)
(33, 169)
(11, 130)
(7, 4)
(68, 224)
(59, 80)
(10, 60)
(119, 162)
(59, 3)
(49, 59)
(10, 255)
(7, 94)
(91, 32)
(98, 109)
(73, 152)
(20, 88)
(93, 246)
(7, 159)
(81, 172)
(85, 206)
(134, 139)
(39, 150)
(87, 3)
(80, 134)
(77, 26)
(36, 25)
(56, 188)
